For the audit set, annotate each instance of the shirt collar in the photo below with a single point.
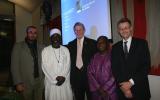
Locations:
(81, 40)
(128, 40)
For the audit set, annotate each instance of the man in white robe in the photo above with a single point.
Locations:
(56, 67)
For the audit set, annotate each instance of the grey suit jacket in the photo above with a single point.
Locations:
(22, 64)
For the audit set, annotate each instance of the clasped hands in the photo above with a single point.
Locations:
(126, 89)
(102, 92)
(60, 80)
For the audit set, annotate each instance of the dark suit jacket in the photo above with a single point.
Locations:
(79, 77)
(136, 66)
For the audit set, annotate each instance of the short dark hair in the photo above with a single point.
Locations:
(79, 24)
(122, 20)
(28, 27)
(106, 40)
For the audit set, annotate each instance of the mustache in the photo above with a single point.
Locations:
(56, 42)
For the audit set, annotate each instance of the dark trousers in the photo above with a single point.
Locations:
(79, 83)
(121, 96)
(79, 94)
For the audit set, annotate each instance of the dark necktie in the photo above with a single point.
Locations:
(33, 49)
(125, 49)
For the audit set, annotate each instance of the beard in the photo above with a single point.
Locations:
(56, 44)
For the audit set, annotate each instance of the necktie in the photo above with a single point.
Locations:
(125, 49)
(79, 62)
(33, 49)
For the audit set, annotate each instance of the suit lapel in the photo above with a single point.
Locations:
(25, 46)
(74, 49)
(121, 49)
(84, 47)
(132, 48)
(75, 46)
(39, 48)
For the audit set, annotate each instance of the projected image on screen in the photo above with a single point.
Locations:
(94, 14)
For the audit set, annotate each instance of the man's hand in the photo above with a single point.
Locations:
(102, 92)
(60, 80)
(126, 88)
(128, 94)
(20, 87)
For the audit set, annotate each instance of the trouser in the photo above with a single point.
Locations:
(34, 92)
(79, 94)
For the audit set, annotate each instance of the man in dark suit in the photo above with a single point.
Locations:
(81, 50)
(131, 64)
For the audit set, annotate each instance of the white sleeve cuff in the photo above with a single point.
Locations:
(55, 82)
(132, 82)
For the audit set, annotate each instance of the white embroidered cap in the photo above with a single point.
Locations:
(55, 30)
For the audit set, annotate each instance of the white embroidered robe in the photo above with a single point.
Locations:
(52, 69)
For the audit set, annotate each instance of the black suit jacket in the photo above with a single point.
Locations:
(79, 77)
(136, 66)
